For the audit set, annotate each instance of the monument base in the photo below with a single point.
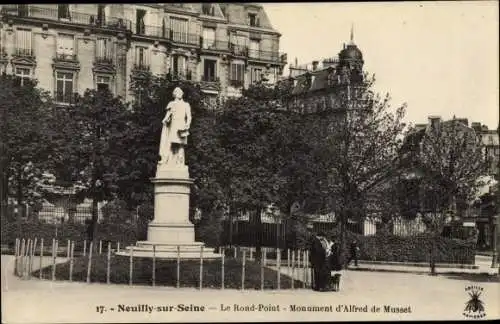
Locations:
(171, 234)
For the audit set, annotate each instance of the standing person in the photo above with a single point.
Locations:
(354, 249)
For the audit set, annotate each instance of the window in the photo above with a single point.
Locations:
(140, 25)
(255, 75)
(23, 74)
(63, 11)
(179, 29)
(252, 19)
(208, 9)
(142, 57)
(23, 42)
(254, 50)
(103, 83)
(101, 14)
(64, 87)
(103, 50)
(179, 65)
(239, 43)
(237, 74)
(209, 70)
(65, 46)
(208, 37)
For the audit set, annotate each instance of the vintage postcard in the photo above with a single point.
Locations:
(221, 162)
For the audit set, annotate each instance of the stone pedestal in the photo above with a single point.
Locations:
(171, 233)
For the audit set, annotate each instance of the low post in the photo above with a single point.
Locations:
(178, 266)
(235, 252)
(222, 270)
(100, 247)
(243, 271)
(32, 257)
(16, 253)
(154, 266)
(288, 270)
(69, 249)
(71, 259)
(89, 264)
(304, 271)
(84, 247)
(108, 269)
(262, 264)
(278, 262)
(21, 258)
(131, 266)
(118, 246)
(54, 257)
(293, 269)
(307, 268)
(201, 267)
(28, 258)
(41, 259)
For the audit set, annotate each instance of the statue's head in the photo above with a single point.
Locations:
(178, 93)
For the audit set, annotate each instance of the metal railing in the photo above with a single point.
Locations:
(104, 59)
(25, 52)
(141, 66)
(209, 78)
(238, 50)
(147, 30)
(65, 97)
(32, 11)
(264, 55)
(214, 44)
(66, 57)
(184, 38)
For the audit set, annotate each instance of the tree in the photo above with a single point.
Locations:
(25, 138)
(90, 146)
(451, 163)
(356, 144)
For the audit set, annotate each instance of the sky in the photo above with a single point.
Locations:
(441, 58)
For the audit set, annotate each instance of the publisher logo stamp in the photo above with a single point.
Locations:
(474, 308)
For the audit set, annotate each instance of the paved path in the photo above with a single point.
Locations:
(429, 297)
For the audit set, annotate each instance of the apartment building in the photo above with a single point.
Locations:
(69, 48)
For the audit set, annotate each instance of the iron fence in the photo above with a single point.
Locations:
(72, 17)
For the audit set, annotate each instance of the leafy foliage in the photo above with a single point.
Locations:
(25, 138)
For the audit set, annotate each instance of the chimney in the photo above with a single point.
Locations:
(434, 121)
(315, 65)
(476, 126)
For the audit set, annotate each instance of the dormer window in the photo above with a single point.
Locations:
(208, 9)
(253, 20)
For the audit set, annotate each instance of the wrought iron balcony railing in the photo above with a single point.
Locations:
(142, 66)
(184, 38)
(73, 17)
(180, 75)
(66, 57)
(24, 52)
(238, 50)
(209, 78)
(104, 59)
(236, 83)
(269, 56)
(214, 44)
(62, 97)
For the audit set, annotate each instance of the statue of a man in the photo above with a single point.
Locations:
(175, 130)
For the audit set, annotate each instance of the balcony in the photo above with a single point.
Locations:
(29, 11)
(267, 56)
(151, 31)
(214, 45)
(180, 75)
(141, 66)
(104, 59)
(24, 52)
(65, 98)
(184, 38)
(238, 50)
(236, 83)
(66, 57)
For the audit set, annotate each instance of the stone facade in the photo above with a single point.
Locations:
(73, 47)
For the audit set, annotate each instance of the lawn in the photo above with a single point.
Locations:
(166, 273)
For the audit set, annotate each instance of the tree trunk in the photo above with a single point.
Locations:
(95, 218)
(258, 231)
(343, 236)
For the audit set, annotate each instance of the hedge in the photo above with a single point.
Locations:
(387, 247)
(124, 233)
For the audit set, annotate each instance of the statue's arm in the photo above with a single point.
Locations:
(188, 116)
